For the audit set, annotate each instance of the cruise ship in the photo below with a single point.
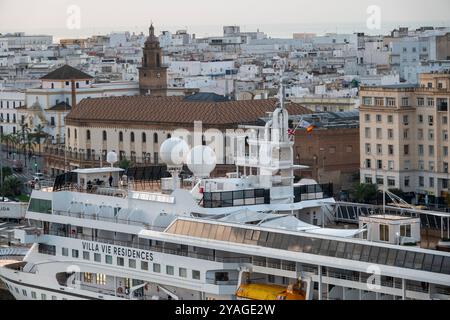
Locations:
(256, 234)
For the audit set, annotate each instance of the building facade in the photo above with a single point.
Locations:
(404, 136)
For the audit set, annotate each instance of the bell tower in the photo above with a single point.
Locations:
(152, 74)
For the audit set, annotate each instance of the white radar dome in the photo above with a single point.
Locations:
(174, 152)
(201, 160)
(111, 157)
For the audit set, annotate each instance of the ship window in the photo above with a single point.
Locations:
(270, 240)
(144, 265)
(348, 251)
(285, 241)
(373, 257)
(357, 251)
(332, 249)
(409, 261)
(240, 234)
(100, 279)
(263, 238)
(400, 260)
(195, 275)
(307, 245)
(382, 256)
(75, 253)
(446, 265)
(182, 272)
(418, 260)
(391, 257)
(316, 243)
(97, 257)
(65, 252)
(24, 292)
(120, 262)
(295, 244)
(428, 262)
(324, 247)
(437, 261)
(43, 296)
(157, 268)
(40, 206)
(340, 250)
(33, 295)
(108, 259)
(132, 263)
(86, 255)
(170, 270)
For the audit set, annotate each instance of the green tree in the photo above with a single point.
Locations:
(124, 164)
(364, 192)
(38, 135)
(11, 186)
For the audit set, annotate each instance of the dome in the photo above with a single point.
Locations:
(201, 160)
(174, 151)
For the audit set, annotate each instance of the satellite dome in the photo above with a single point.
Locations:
(174, 151)
(201, 160)
(111, 158)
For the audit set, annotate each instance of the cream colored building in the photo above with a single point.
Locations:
(404, 135)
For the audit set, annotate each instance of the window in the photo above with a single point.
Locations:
(144, 265)
(420, 134)
(76, 134)
(332, 150)
(65, 252)
(368, 163)
(405, 102)
(420, 118)
(445, 151)
(33, 295)
(97, 257)
(390, 102)
(391, 182)
(108, 259)
(421, 182)
(391, 165)
(431, 134)
(431, 151)
(384, 232)
(405, 231)
(391, 150)
(120, 262)
(170, 270)
(379, 149)
(407, 165)
(380, 164)
(379, 118)
(52, 121)
(367, 117)
(421, 165)
(88, 135)
(420, 102)
(68, 133)
(195, 275)
(367, 101)
(368, 148)
(380, 180)
(75, 253)
(406, 181)
(379, 102)
(86, 255)
(132, 263)
(444, 120)
(431, 182)
(420, 150)
(182, 272)
(431, 165)
(379, 134)
(430, 120)
(100, 279)
(120, 136)
(144, 137)
(445, 135)
(24, 292)
(132, 137)
(390, 119)
(54, 298)
(406, 149)
(406, 120)
(155, 138)
(105, 136)
(157, 268)
(406, 134)
(367, 133)
(43, 296)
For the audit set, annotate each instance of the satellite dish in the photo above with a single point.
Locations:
(111, 158)
(174, 152)
(202, 160)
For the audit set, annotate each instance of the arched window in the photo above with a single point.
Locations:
(76, 134)
(53, 86)
(144, 137)
(169, 136)
(68, 133)
(158, 60)
(105, 136)
(132, 137)
(120, 136)
(155, 138)
(88, 134)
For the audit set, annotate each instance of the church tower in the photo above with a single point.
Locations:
(152, 74)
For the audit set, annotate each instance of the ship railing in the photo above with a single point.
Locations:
(221, 283)
(99, 290)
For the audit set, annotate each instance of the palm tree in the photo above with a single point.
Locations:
(24, 137)
(39, 133)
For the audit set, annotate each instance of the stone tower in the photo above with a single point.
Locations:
(152, 74)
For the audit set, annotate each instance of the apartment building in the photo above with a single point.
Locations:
(404, 136)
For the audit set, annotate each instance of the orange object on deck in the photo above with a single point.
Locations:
(258, 291)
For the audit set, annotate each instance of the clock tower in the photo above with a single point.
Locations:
(152, 74)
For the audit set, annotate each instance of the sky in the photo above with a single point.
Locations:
(207, 16)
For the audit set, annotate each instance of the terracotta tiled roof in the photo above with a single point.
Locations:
(175, 110)
(66, 72)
